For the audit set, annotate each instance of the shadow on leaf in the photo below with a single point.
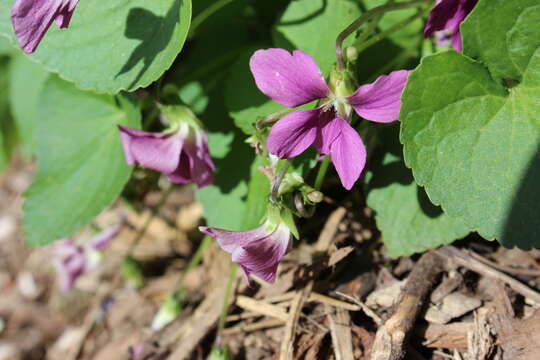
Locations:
(154, 32)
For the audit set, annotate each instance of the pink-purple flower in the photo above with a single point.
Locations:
(445, 19)
(181, 153)
(260, 250)
(32, 18)
(72, 260)
(295, 79)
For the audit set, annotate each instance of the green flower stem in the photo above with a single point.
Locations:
(151, 217)
(365, 17)
(205, 14)
(226, 300)
(276, 182)
(323, 168)
(371, 27)
(361, 46)
(197, 257)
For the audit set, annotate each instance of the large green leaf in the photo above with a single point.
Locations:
(408, 221)
(313, 25)
(113, 45)
(81, 165)
(503, 35)
(474, 144)
(26, 80)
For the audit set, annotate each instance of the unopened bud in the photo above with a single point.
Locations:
(169, 310)
(351, 53)
(132, 273)
(315, 196)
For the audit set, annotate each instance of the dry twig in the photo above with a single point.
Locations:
(390, 338)
(463, 259)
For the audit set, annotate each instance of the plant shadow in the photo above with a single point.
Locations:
(522, 227)
(153, 42)
(389, 168)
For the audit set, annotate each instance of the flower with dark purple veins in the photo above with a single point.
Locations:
(444, 21)
(181, 152)
(72, 260)
(32, 18)
(260, 250)
(295, 79)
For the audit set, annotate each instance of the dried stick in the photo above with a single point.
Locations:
(340, 329)
(390, 339)
(286, 351)
(465, 260)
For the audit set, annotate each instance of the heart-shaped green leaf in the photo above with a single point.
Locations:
(81, 164)
(472, 142)
(112, 45)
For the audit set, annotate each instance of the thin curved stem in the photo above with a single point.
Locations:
(277, 181)
(205, 14)
(226, 301)
(365, 17)
(371, 27)
(363, 46)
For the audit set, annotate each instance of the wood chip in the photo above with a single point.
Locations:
(463, 259)
(453, 306)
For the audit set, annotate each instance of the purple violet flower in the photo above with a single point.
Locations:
(444, 21)
(295, 79)
(260, 250)
(72, 260)
(181, 153)
(70, 263)
(32, 18)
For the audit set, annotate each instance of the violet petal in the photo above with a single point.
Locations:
(440, 15)
(293, 133)
(101, 240)
(261, 257)
(70, 263)
(200, 163)
(329, 129)
(156, 151)
(380, 101)
(348, 154)
(32, 18)
(232, 240)
(288, 79)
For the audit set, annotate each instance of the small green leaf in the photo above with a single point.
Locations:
(112, 45)
(81, 165)
(26, 82)
(472, 143)
(313, 25)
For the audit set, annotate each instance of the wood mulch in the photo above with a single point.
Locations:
(337, 295)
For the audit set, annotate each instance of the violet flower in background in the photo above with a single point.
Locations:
(260, 250)
(295, 79)
(181, 153)
(32, 18)
(72, 260)
(444, 21)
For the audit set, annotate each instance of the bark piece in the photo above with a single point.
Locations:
(453, 306)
